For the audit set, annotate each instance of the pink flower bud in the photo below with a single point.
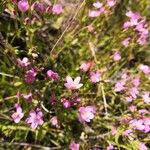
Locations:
(23, 5)
(57, 9)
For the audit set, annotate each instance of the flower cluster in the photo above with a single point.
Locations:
(100, 8)
(23, 6)
(139, 26)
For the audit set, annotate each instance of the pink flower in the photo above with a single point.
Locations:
(23, 5)
(130, 14)
(86, 113)
(140, 27)
(24, 62)
(97, 4)
(110, 147)
(73, 85)
(147, 124)
(57, 9)
(27, 96)
(128, 133)
(95, 77)
(129, 99)
(53, 75)
(138, 124)
(111, 3)
(94, 13)
(116, 56)
(144, 68)
(18, 115)
(113, 131)
(85, 66)
(125, 42)
(66, 102)
(146, 97)
(134, 92)
(54, 121)
(136, 82)
(74, 146)
(134, 17)
(119, 86)
(142, 39)
(142, 146)
(30, 76)
(132, 108)
(35, 118)
(127, 24)
(143, 111)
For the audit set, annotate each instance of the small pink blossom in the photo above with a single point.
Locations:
(30, 76)
(129, 99)
(113, 131)
(124, 76)
(119, 86)
(57, 9)
(134, 92)
(143, 111)
(132, 108)
(126, 42)
(138, 124)
(53, 75)
(54, 121)
(18, 115)
(127, 24)
(85, 66)
(146, 97)
(97, 4)
(73, 84)
(147, 124)
(86, 114)
(102, 10)
(134, 17)
(144, 68)
(94, 13)
(128, 133)
(24, 62)
(35, 118)
(95, 76)
(110, 147)
(23, 5)
(66, 102)
(74, 146)
(136, 82)
(116, 56)
(111, 3)
(142, 40)
(141, 26)
(142, 146)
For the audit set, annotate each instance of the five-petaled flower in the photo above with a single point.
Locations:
(73, 84)
(74, 146)
(35, 118)
(86, 114)
(18, 115)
